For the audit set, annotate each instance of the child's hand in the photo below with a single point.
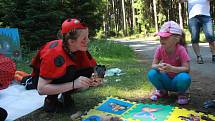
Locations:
(166, 67)
(160, 67)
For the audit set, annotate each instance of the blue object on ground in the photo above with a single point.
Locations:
(93, 118)
(209, 104)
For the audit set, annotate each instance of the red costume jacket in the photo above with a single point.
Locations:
(53, 63)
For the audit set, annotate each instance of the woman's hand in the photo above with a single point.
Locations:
(82, 82)
(96, 81)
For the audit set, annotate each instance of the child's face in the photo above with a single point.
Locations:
(169, 42)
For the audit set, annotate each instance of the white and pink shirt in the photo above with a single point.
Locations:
(198, 7)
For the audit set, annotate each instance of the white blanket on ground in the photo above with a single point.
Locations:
(18, 101)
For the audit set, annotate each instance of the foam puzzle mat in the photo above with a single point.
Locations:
(131, 111)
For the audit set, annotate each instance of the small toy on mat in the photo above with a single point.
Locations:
(103, 118)
(76, 116)
(190, 117)
(209, 104)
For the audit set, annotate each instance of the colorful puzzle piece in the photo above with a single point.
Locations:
(131, 111)
(115, 106)
(148, 112)
(179, 114)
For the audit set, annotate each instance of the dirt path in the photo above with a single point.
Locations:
(203, 75)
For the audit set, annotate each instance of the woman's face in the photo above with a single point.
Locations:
(81, 43)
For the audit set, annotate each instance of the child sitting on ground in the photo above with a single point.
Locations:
(170, 66)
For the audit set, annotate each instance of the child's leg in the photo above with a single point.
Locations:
(158, 80)
(181, 82)
(161, 81)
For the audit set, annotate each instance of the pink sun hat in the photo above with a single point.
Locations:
(169, 28)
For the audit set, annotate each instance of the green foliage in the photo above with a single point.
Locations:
(161, 18)
(24, 64)
(100, 34)
(152, 30)
(109, 49)
(39, 20)
(120, 33)
(139, 4)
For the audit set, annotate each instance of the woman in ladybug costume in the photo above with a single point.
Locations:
(64, 65)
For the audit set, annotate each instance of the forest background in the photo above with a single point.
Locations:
(39, 21)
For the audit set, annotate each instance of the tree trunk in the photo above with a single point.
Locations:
(124, 18)
(155, 15)
(114, 15)
(133, 15)
(180, 16)
(105, 23)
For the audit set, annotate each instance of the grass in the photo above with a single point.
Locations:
(131, 85)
